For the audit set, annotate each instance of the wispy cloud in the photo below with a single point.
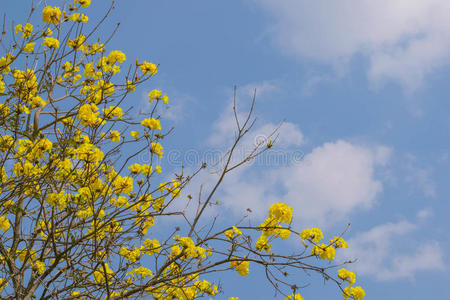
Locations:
(329, 184)
(403, 40)
(381, 254)
(425, 213)
(224, 128)
(419, 176)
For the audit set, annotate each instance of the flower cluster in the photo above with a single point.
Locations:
(272, 228)
(232, 233)
(241, 266)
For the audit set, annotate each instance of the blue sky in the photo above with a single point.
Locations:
(363, 89)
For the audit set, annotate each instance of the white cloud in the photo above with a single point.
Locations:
(404, 40)
(425, 213)
(323, 187)
(262, 89)
(380, 253)
(420, 176)
(312, 82)
(333, 181)
(248, 188)
(382, 155)
(224, 129)
(172, 112)
(288, 134)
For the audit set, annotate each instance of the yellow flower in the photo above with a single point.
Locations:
(29, 47)
(48, 32)
(18, 28)
(120, 201)
(57, 200)
(148, 68)
(2, 284)
(37, 101)
(40, 266)
(115, 69)
(41, 227)
(83, 3)
(123, 185)
(262, 244)
(283, 233)
(23, 253)
(51, 15)
(4, 112)
(4, 223)
(68, 67)
(2, 89)
(153, 95)
(143, 272)
(347, 292)
(232, 233)
(5, 63)
(130, 86)
(89, 153)
(347, 275)
(151, 123)
(99, 274)
(205, 287)
(74, 17)
(27, 30)
(89, 70)
(270, 226)
(51, 42)
(189, 248)
(281, 212)
(339, 242)
(88, 115)
(113, 111)
(134, 134)
(130, 255)
(2, 106)
(76, 42)
(135, 168)
(324, 251)
(146, 170)
(41, 146)
(165, 99)
(357, 293)
(95, 48)
(148, 222)
(76, 78)
(241, 267)
(3, 177)
(158, 150)
(116, 56)
(294, 297)
(150, 246)
(315, 234)
(114, 136)
(84, 18)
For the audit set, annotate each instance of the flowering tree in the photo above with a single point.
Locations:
(78, 220)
